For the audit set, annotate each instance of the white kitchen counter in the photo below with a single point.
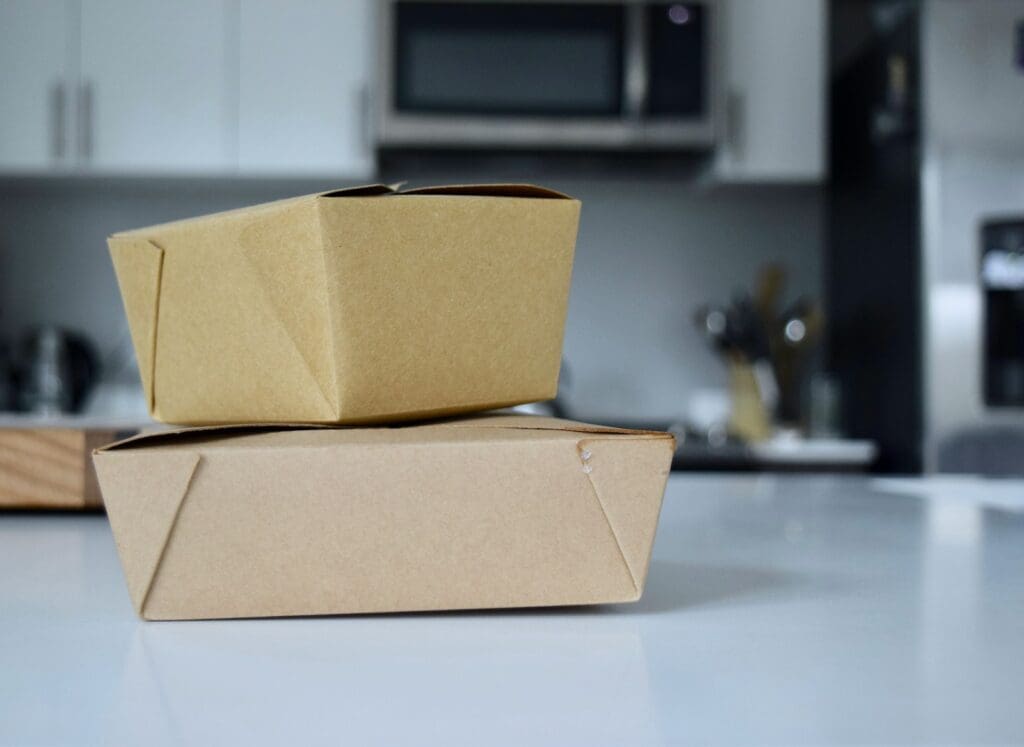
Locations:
(782, 610)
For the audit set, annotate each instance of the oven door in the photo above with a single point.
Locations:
(541, 74)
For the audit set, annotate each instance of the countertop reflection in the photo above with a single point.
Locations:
(785, 609)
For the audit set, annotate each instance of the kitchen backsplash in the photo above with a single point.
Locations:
(649, 251)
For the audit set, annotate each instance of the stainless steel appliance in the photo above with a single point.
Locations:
(597, 74)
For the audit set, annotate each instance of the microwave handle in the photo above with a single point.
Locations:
(636, 73)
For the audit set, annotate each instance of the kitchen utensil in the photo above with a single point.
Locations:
(750, 417)
(796, 335)
(750, 333)
(713, 323)
(771, 280)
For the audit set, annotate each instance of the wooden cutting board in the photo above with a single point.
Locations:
(50, 467)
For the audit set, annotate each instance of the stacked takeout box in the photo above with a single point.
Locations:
(334, 356)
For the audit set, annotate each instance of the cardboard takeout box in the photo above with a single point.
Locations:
(355, 306)
(483, 512)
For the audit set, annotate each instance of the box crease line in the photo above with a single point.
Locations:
(156, 326)
(604, 512)
(167, 537)
(329, 309)
(275, 312)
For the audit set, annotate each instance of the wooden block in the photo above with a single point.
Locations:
(50, 467)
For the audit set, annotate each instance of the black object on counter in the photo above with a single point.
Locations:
(54, 371)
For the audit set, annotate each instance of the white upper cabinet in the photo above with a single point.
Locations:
(775, 75)
(303, 87)
(37, 80)
(155, 93)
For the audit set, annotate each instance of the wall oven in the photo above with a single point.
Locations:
(541, 74)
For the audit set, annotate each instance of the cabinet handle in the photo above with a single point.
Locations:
(58, 116)
(85, 120)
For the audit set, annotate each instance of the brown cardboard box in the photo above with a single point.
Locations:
(484, 512)
(356, 306)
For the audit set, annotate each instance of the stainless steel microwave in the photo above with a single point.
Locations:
(576, 74)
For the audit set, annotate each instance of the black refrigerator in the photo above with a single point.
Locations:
(873, 240)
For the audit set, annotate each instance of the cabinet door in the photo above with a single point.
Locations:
(774, 114)
(154, 95)
(35, 83)
(303, 83)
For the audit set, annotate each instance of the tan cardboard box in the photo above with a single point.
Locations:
(483, 512)
(356, 306)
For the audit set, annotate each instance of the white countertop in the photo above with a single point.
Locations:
(785, 610)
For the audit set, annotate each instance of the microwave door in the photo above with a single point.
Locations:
(502, 74)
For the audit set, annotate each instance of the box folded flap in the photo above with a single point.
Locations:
(283, 253)
(540, 422)
(138, 264)
(143, 501)
(495, 421)
(490, 190)
(161, 435)
(363, 190)
(626, 479)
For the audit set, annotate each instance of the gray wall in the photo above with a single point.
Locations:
(649, 251)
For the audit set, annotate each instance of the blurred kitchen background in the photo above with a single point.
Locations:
(802, 239)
